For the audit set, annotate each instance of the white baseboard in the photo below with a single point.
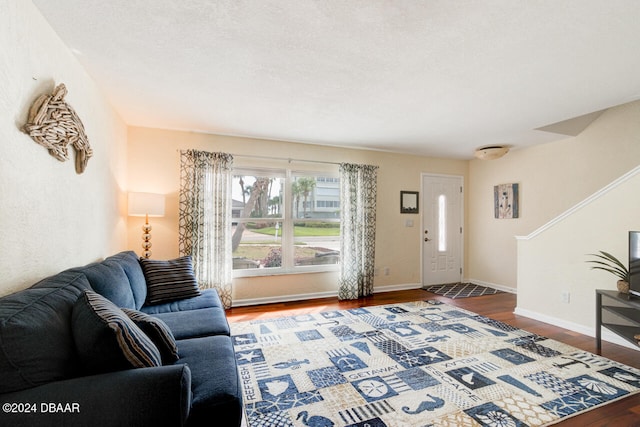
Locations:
(493, 286)
(283, 298)
(584, 330)
(316, 295)
(401, 287)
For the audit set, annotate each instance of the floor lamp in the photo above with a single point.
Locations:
(146, 205)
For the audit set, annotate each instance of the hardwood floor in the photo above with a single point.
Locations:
(623, 413)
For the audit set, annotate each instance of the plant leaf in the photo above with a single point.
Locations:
(609, 263)
(613, 259)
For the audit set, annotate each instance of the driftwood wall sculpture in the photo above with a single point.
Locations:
(54, 124)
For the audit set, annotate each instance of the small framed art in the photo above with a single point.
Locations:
(505, 201)
(409, 202)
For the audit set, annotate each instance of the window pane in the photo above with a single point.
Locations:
(257, 196)
(315, 197)
(257, 244)
(316, 242)
(269, 204)
(315, 209)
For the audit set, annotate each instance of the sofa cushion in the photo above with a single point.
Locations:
(208, 298)
(169, 280)
(106, 339)
(109, 279)
(36, 344)
(196, 323)
(215, 384)
(159, 333)
(130, 263)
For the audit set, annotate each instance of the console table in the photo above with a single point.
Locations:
(621, 315)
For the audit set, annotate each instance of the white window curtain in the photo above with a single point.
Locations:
(358, 187)
(204, 229)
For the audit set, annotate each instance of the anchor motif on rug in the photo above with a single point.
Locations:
(571, 362)
(430, 404)
(314, 420)
(330, 322)
(434, 338)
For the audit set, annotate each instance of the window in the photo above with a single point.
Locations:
(328, 204)
(284, 221)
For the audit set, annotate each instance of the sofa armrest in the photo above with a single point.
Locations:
(134, 397)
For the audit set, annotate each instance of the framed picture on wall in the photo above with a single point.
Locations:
(505, 201)
(409, 202)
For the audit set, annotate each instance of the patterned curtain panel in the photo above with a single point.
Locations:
(204, 229)
(358, 188)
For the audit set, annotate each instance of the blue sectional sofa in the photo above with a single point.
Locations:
(70, 356)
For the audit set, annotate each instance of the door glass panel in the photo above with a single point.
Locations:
(442, 223)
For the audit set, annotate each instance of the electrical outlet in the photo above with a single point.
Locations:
(566, 296)
(387, 270)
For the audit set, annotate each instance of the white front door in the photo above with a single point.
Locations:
(442, 229)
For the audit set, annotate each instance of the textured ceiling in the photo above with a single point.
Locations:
(438, 78)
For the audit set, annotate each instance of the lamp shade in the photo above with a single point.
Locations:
(142, 204)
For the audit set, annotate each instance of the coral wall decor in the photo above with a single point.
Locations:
(54, 124)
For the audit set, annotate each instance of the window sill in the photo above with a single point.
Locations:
(260, 272)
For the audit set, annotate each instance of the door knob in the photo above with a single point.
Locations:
(426, 239)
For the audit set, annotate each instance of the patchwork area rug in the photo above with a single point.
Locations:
(421, 363)
(461, 290)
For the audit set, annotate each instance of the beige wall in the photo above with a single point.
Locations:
(50, 217)
(552, 260)
(154, 167)
(552, 177)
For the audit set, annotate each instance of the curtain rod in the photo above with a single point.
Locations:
(288, 159)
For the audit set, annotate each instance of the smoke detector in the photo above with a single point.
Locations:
(492, 152)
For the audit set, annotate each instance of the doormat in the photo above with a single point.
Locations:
(460, 290)
(422, 363)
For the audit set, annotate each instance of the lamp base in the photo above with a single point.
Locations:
(146, 240)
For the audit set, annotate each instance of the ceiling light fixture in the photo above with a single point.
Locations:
(492, 152)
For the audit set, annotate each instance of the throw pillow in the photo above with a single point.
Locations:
(106, 339)
(159, 333)
(169, 280)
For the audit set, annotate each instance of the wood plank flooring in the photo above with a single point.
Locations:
(623, 413)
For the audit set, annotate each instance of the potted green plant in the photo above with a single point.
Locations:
(607, 262)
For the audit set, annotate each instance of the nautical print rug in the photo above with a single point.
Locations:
(421, 363)
(460, 290)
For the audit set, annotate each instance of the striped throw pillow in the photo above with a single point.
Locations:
(106, 339)
(159, 333)
(169, 280)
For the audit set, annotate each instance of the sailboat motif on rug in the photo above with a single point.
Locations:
(422, 363)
